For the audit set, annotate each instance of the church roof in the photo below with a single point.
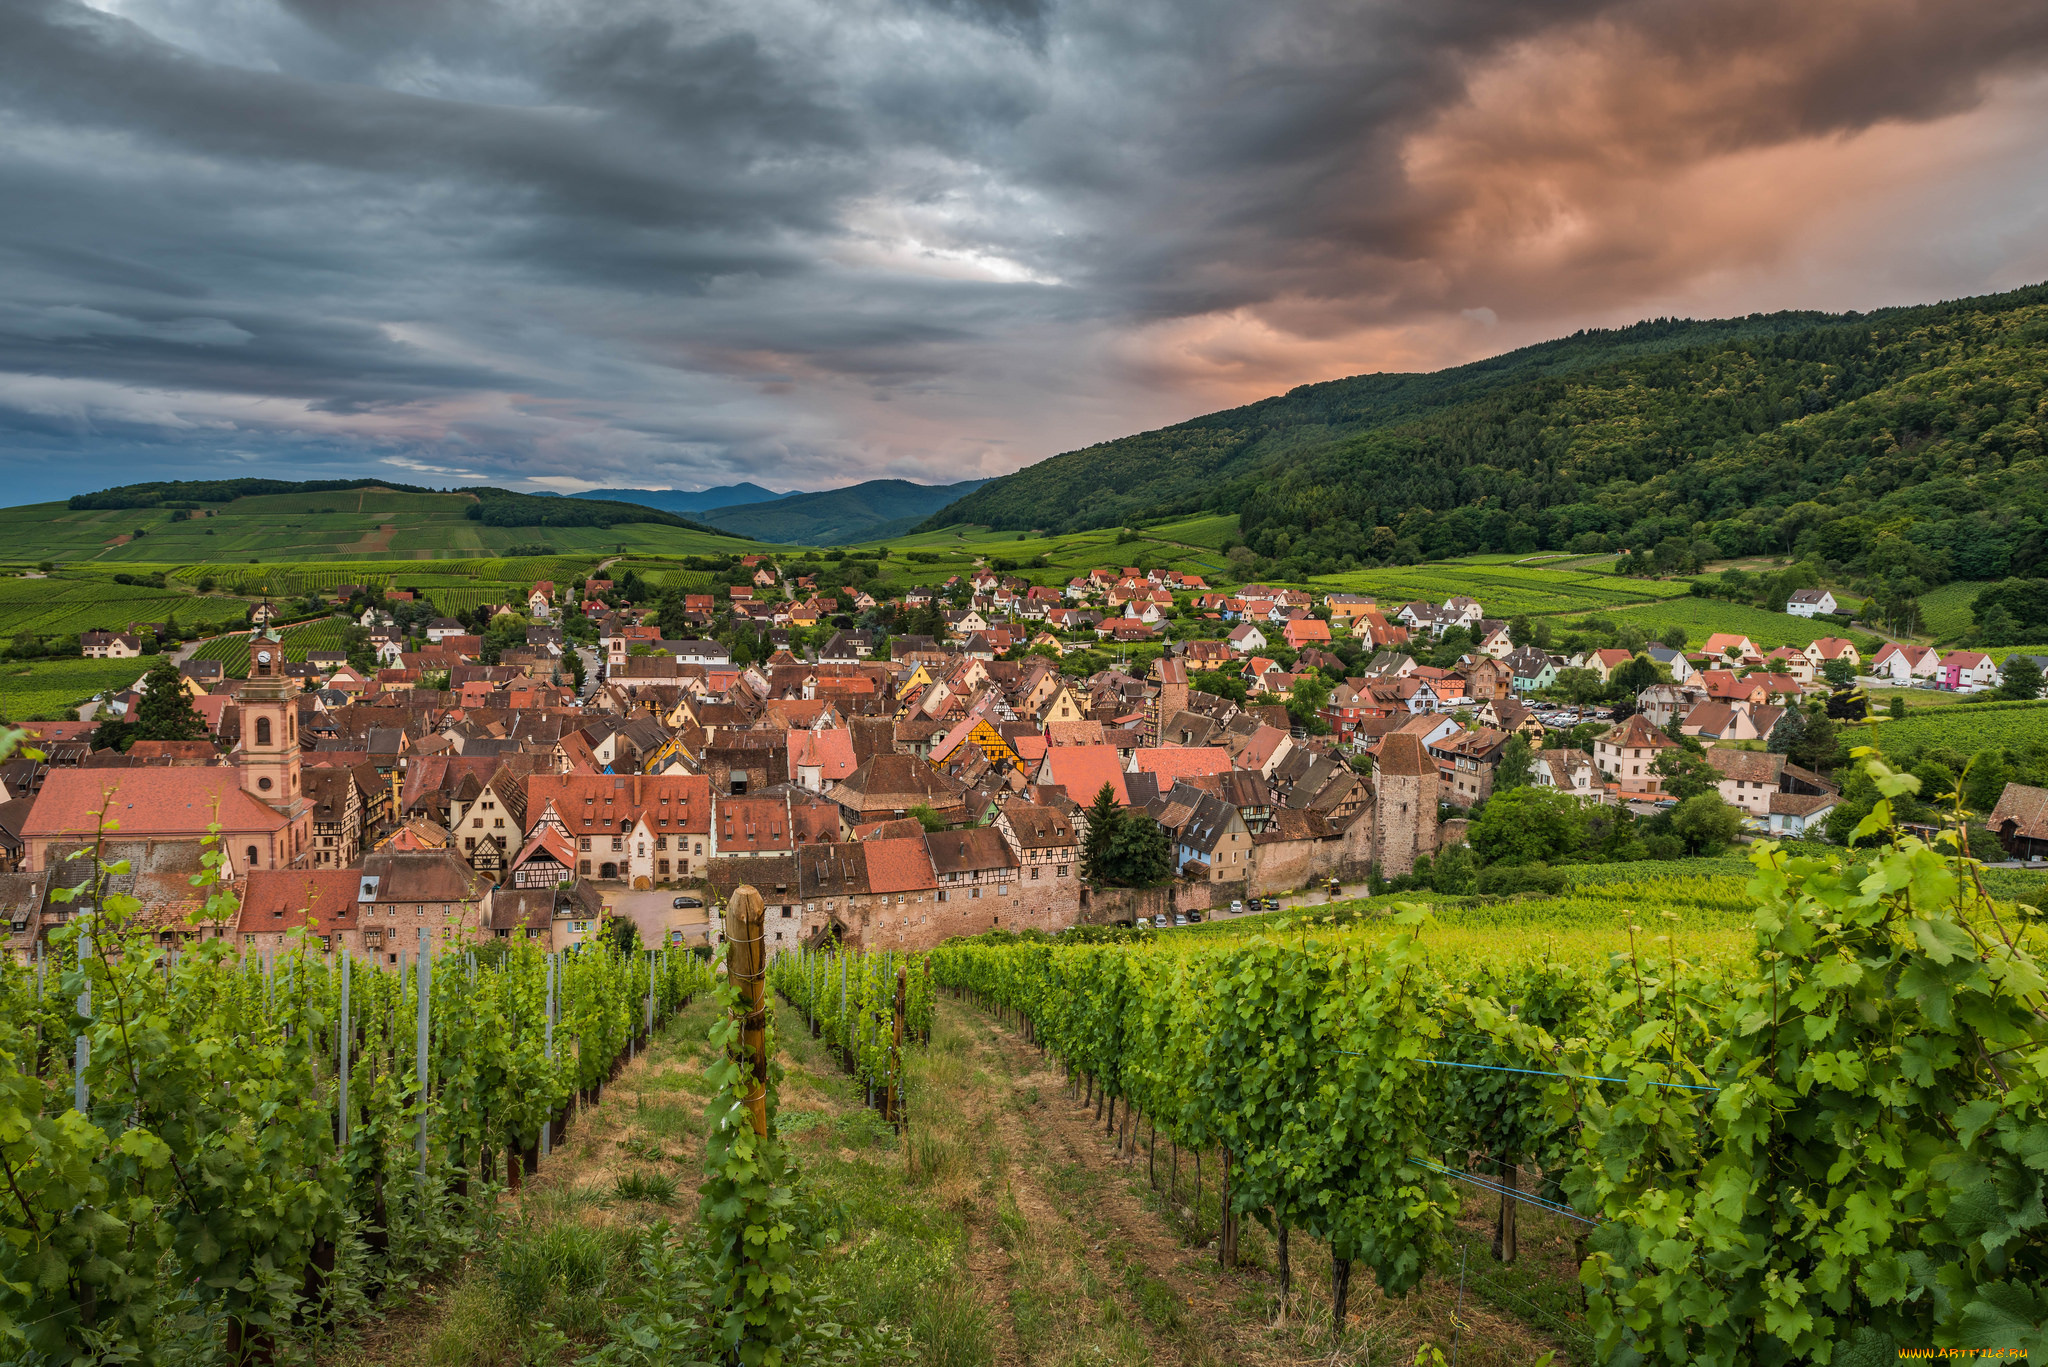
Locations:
(148, 803)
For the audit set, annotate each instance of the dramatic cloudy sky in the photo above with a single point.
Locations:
(560, 243)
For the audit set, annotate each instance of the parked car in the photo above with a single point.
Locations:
(1194, 918)
(682, 902)
(1179, 919)
(1159, 921)
(1336, 889)
(1236, 908)
(1272, 904)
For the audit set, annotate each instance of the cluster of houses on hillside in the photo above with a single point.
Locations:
(887, 792)
(877, 801)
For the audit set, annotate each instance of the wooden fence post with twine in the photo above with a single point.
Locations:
(746, 965)
(899, 1092)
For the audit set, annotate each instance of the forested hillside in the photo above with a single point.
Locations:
(1906, 442)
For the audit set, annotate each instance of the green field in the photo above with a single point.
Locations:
(350, 525)
(233, 651)
(1945, 612)
(1070, 555)
(1700, 616)
(1966, 727)
(51, 689)
(1502, 590)
(70, 602)
(1210, 532)
(498, 578)
(666, 574)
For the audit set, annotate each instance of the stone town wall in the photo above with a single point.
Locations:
(921, 920)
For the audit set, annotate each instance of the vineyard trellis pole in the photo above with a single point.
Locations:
(746, 964)
(341, 1053)
(82, 1049)
(547, 1124)
(423, 980)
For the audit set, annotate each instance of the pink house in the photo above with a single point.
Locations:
(1968, 671)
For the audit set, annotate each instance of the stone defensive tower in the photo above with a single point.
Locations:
(1404, 785)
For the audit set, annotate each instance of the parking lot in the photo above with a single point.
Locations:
(655, 915)
(1314, 898)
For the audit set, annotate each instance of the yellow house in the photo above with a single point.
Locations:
(910, 689)
(672, 751)
(978, 732)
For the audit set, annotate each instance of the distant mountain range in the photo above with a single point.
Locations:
(867, 511)
(686, 500)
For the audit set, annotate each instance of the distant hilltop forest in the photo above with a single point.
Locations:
(492, 507)
(1904, 443)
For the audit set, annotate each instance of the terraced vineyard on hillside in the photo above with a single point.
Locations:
(233, 651)
(1503, 590)
(346, 526)
(45, 690)
(71, 602)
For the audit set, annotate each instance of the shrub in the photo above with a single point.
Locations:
(1503, 879)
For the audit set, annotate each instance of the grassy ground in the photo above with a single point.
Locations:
(1023, 1238)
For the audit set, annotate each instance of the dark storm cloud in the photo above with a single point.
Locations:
(621, 241)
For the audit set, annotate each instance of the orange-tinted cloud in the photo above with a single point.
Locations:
(808, 242)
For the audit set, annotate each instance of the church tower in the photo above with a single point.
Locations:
(270, 728)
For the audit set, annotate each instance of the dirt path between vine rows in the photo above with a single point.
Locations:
(1085, 1232)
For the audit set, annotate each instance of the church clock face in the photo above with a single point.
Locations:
(263, 657)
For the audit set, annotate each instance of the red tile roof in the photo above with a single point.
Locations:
(750, 824)
(1083, 769)
(899, 865)
(1637, 733)
(604, 801)
(322, 900)
(147, 803)
(830, 752)
(1181, 761)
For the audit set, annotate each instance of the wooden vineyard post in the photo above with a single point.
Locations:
(547, 1123)
(1506, 1238)
(896, 1087)
(424, 981)
(81, 1047)
(744, 964)
(341, 1060)
(1226, 1242)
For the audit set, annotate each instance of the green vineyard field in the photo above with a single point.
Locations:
(1502, 590)
(233, 651)
(69, 603)
(1714, 1082)
(48, 690)
(1966, 727)
(1702, 616)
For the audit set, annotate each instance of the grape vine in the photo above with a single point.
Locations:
(1834, 1141)
(205, 1189)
